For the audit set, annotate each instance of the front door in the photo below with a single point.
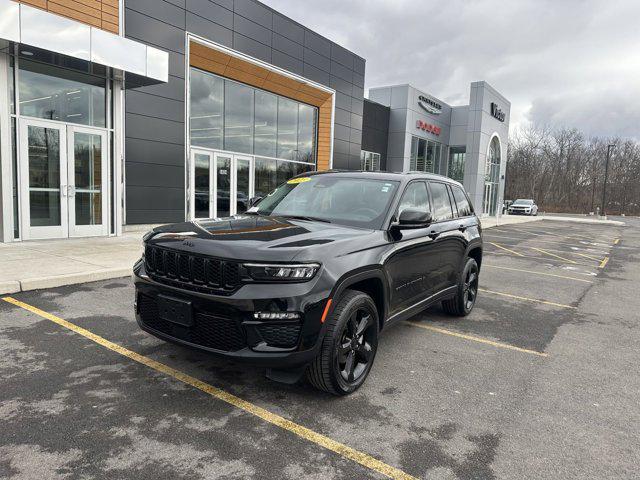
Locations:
(222, 183)
(63, 180)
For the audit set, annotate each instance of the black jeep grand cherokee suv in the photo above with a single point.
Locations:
(306, 279)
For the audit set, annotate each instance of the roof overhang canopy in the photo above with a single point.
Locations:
(31, 26)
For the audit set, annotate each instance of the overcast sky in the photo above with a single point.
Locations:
(573, 63)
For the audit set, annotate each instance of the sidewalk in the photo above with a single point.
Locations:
(40, 264)
(32, 265)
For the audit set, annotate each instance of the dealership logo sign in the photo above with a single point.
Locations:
(427, 127)
(497, 113)
(430, 105)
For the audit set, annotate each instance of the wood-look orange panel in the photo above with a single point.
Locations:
(221, 63)
(97, 13)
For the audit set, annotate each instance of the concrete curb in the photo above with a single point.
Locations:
(70, 279)
(593, 221)
(11, 286)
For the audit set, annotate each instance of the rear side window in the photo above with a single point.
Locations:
(415, 196)
(462, 202)
(441, 203)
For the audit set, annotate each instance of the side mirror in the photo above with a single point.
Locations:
(413, 218)
(253, 201)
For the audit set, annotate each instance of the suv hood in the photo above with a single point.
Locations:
(260, 238)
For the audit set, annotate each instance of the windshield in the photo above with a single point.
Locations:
(520, 201)
(356, 202)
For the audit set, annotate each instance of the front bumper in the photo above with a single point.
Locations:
(224, 325)
(519, 211)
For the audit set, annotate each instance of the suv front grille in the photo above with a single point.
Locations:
(191, 272)
(208, 330)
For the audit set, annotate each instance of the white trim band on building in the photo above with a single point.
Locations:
(31, 26)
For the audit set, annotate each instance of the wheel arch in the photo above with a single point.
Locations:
(372, 282)
(475, 252)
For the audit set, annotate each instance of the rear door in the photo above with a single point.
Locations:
(448, 238)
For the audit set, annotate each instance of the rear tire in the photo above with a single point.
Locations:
(349, 345)
(465, 298)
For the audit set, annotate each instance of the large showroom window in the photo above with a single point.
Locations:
(456, 163)
(231, 116)
(426, 156)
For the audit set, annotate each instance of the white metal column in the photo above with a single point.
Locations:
(6, 157)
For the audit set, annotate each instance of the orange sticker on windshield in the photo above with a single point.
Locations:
(293, 181)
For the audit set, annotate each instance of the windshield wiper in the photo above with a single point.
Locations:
(306, 217)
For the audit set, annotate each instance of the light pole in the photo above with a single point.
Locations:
(610, 147)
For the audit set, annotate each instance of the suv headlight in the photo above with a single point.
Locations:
(279, 272)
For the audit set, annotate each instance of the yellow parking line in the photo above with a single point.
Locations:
(604, 262)
(552, 254)
(587, 256)
(537, 257)
(506, 249)
(536, 240)
(477, 339)
(341, 449)
(537, 273)
(527, 299)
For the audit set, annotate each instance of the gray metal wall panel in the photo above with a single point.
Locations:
(155, 123)
(211, 11)
(288, 28)
(174, 89)
(208, 29)
(165, 176)
(317, 60)
(317, 43)
(154, 153)
(251, 47)
(317, 75)
(375, 130)
(254, 11)
(285, 45)
(149, 30)
(287, 62)
(252, 30)
(160, 10)
(154, 106)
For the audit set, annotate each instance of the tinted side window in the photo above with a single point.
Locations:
(441, 203)
(464, 207)
(415, 196)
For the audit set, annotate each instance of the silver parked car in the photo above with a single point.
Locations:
(523, 207)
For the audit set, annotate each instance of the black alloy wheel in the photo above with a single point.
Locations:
(467, 292)
(348, 347)
(471, 287)
(355, 349)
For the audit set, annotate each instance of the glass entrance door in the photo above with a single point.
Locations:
(43, 179)
(87, 191)
(222, 183)
(63, 184)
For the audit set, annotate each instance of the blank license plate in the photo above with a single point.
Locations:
(175, 310)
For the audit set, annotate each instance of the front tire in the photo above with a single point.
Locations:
(465, 299)
(349, 346)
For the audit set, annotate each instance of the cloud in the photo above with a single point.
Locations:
(569, 63)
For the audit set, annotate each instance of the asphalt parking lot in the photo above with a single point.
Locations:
(540, 381)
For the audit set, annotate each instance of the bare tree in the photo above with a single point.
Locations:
(564, 171)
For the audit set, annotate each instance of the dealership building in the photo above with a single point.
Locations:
(126, 112)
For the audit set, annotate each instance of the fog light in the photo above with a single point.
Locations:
(276, 315)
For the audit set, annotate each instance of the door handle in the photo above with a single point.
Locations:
(71, 191)
(462, 228)
(63, 190)
(433, 234)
